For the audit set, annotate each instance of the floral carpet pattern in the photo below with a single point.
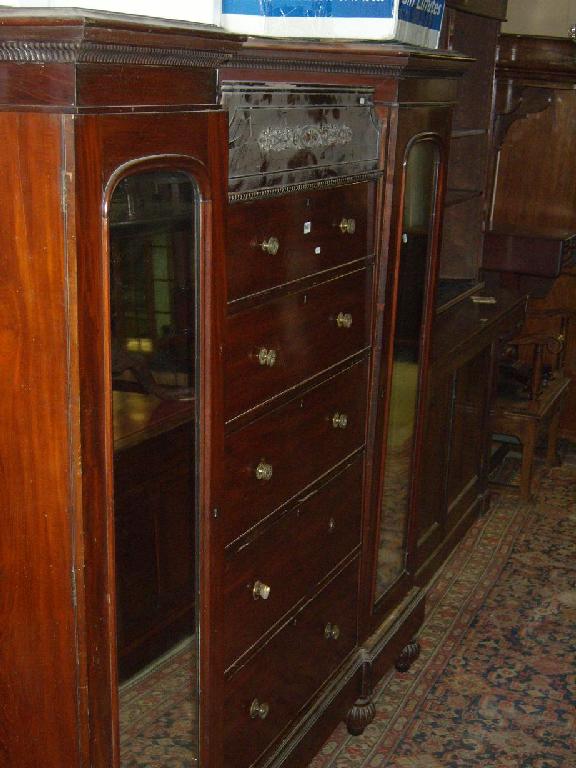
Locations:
(495, 684)
(158, 713)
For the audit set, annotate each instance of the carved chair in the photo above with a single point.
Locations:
(531, 392)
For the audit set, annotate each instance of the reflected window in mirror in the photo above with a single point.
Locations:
(153, 243)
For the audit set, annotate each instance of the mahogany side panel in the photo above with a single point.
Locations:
(38, 665)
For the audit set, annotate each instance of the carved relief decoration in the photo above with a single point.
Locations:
(280, 139)
(106, 53)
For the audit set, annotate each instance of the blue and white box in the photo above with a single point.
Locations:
(416, 22)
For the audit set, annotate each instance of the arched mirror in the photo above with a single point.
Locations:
(405, 340)
(153, 245)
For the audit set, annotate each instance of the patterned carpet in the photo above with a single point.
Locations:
(158, 713)
(495, 685)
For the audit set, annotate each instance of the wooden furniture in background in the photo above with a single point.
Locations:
(468, 339)
(533, 202)
(529, 400)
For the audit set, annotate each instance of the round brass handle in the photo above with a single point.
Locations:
(271, 246)
(263, 471)
(267, 357)
(344, 320)
(260, 590)
(259, 709)
(331, 631)
(348, 226)
(340, 421)
(331, 525)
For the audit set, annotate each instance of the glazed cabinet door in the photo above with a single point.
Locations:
(148, 208)
(407, 279)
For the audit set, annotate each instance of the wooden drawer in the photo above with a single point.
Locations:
(305, 334)
(298, 441)
(311, 230)
(327, 528)
(289, 669)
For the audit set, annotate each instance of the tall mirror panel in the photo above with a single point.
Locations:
(420, 182)
(153, 263)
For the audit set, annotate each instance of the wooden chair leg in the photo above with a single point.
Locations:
(551, 449)
(528, 449)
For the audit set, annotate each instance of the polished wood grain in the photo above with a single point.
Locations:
(298, 441)
(38, 440)
(326, 525)
(310, 238)
(525, 207)
(278, 675)
(105, 144)
(302, 330)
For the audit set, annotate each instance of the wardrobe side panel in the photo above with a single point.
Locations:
(38, 704)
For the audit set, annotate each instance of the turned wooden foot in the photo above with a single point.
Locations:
(408, 655)
(360, 715)
(363, 711)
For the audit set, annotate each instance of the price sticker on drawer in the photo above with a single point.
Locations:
(307, 227)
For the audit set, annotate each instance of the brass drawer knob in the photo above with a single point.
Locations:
(348, 226)
(331, 631)
(267, 357)
(340, 421)
(263, 471)
(260, 590)
(271, 246)
(344, 320)
(331, 525)
(259, 709)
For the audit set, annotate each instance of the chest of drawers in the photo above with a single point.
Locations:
(296, 362)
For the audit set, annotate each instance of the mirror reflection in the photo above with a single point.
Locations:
(153, 256)
(417, 214)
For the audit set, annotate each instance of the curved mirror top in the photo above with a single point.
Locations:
(403, 385)
(153, 242)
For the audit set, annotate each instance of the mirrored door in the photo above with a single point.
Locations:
(153, 247)
(405, 329)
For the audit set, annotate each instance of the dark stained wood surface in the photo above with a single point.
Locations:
(303, 250)
(466, 342)
(298, 441)
(302, 330)
(280, 674)
(326, 526)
